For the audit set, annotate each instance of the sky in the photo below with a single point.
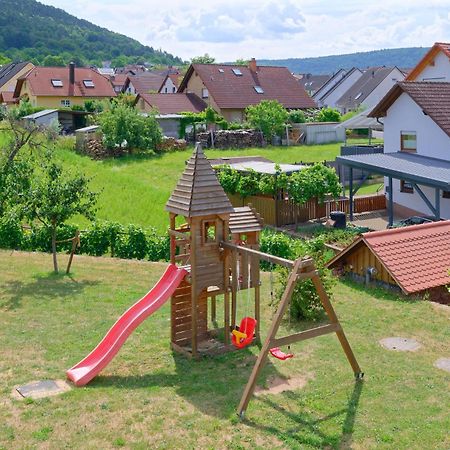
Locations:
(269, 29)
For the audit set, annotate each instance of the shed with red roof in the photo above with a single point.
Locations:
(414, 258)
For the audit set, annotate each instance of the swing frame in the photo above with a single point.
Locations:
(302, 269)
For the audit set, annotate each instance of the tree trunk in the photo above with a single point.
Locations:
(55, 261)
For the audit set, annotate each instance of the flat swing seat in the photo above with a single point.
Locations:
(276, 352)
(245, 335)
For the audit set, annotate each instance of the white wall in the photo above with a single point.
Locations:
(331, 98)
(168, 87)
(406, 115)
(383, 88)
(328, 85)
(439, 72)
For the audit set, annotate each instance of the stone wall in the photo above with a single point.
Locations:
(231, 139)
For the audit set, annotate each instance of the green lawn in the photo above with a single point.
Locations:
(135, 189)
(149, 397)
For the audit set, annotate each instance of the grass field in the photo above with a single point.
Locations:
(135, 189)
(151, 398)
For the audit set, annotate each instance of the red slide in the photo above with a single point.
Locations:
(101, 356)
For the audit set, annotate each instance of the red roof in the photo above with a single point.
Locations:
(417, 256)
(146, 82)
(40, 83)
(174, 103)
(238, 91)
(428, 59)
(7, 97)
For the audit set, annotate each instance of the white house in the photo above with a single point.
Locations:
(341, 85)
(170, 84)
(434, 66)
(416, 158)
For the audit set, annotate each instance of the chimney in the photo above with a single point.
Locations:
(72, 73)
(252, 65)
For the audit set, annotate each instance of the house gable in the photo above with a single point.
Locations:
(434, 66)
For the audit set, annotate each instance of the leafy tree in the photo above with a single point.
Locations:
(205, 59)
(317, 181)
(269, 116)
(241, 62)
(328, 115)
(53, 61)
(56, 196)
(4, 60)
(124, 127)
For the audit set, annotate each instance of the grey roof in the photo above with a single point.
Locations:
(360, 121)
(8, 71)
(405, 166)
(198, 191)
(265, 167)
(325, 88)
(364, 86)
(320, 96)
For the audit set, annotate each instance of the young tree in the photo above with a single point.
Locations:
(328, 115)
(55, 196)
(124, 127)
(269, 116)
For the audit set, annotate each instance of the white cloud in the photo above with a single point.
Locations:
(230, 29)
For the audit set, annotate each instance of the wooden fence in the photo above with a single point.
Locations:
(278, 212)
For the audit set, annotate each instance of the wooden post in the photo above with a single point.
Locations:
(213, 308)
(257, 310)
(234, 286)
(75, 244)
(172, 238)
(194, 294)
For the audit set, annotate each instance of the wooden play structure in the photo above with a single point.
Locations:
(219, 246)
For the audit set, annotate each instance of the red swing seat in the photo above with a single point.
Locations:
(276, 352)
(247, 328)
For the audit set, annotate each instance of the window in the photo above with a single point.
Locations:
(174, 89)
(445, 194)
(408, 141)
(259, 89)
(205, 93)
(57, 83)
(209, 232)
(221, 71)
(65, 103)
(406, 187)
(359, 95)
(237, 72)
(88, 83)
(165, 90)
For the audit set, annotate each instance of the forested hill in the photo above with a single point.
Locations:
(31, 30)
(403, 58)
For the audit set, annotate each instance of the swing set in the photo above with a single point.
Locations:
(219, 247)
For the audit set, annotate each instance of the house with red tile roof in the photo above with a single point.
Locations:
(143, 83)
(415, 258)
(170, 84)
(169, 104)
(434, 66)
(229, 89)
(56, 87)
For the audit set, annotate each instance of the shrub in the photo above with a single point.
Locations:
(328, 115)
(297, 116)
(132, 244)
(11, 234)
(96, 241)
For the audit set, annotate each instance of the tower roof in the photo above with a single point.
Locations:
(198, 191)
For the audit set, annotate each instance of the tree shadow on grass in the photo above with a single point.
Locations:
(213, 385)
(43, 286)
(298, 428)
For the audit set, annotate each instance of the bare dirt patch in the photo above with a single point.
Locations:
(277, 385)
(400, 344)
(443, 363)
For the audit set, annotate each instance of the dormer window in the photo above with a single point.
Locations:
(237, 72)
(259, 89)
(57, 83)
(88, 83)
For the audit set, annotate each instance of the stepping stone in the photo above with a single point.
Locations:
(400, 344)
(41, 389)
(443, 363)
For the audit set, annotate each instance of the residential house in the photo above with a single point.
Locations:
(9, 74)
(415, 259)
(118, 81)
(416, 158)
(328, 95)
(229, 89)
(169, 104)
(369, 89)
(143, 83)
(312, 83)
(434, 66)
(56, 87)
(170, 84)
